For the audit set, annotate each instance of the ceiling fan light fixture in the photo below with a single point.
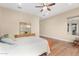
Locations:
(45, 13)
(45, 8)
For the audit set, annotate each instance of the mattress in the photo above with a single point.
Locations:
(28, 46)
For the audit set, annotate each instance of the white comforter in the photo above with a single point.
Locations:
(29, 46)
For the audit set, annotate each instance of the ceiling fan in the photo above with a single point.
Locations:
(45, 6)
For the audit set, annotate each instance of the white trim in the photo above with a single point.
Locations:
(58, 38)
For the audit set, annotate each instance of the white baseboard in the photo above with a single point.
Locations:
(58, 37)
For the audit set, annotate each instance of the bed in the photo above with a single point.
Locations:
(29, 46)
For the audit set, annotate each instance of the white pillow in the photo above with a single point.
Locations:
(7, 40)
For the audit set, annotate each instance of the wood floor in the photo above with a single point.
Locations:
(61, 48)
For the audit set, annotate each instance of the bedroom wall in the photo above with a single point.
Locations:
(35, 25)
(9, 21)
(56, 26)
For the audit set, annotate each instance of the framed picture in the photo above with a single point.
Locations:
(24, 28)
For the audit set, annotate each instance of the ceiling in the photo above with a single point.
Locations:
(30, 8)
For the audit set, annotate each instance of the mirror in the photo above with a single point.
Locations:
(24, 28)
(73, 25)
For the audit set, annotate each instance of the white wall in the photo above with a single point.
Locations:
(35, 25)
(9, 21)
(56, 26)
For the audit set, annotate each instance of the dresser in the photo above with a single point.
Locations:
(24, 35)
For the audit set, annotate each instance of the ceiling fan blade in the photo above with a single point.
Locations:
(51, 4)
(41, 10)
(48, 9)
(38, 6)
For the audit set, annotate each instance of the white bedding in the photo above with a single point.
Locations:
(29, 46)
